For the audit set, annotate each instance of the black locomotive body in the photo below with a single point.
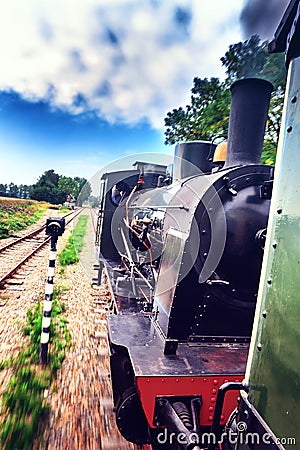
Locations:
(183, 260)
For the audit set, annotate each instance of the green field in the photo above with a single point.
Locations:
(17, 214)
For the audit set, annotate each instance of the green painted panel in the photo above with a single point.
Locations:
(274, 367)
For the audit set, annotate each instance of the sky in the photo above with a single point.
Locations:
(84, 83)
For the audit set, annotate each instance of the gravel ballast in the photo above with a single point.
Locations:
(80, 399)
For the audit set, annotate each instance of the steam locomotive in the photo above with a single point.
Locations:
(183, 259)
(182, 249)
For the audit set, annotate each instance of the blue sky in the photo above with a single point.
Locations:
(38, 138)
(83, 83)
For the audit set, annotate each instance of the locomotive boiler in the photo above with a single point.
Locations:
(182, 251)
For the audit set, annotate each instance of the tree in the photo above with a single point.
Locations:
(66, 186)
(23, 191)
(80, 182)
(46, 188)
(84, 193)
(54, 188)
(206, 116)
(208, 113)
(94, 202)
(49, 179)
(251, 59)
(245, 59)
(3, 190)
(13, 190)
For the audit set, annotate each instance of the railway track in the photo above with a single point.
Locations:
(94, 217)
(15, 254)
(81, 408)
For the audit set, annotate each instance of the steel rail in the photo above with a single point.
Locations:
(11, 244)
(29, 235)
(94, 216)
(32, 253)
(23, 261)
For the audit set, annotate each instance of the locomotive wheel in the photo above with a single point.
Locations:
(131, 419)
(121, 372)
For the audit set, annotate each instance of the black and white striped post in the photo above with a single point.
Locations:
(54, 228)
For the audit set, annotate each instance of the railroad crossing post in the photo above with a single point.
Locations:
(54, 228)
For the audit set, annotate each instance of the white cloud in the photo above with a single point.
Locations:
(129, 60)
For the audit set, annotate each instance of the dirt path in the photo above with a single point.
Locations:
(80, 400)
(81, 410)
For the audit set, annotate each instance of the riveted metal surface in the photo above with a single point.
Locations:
(177, 229)
(274, 363)
(150, 388)
(107, 247)
(254, 430)
(146, 351)
(236, 220)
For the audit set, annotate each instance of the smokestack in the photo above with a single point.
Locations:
(192, 158)
(248, 116)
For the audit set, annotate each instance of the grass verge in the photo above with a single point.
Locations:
(23, 405)
(64, 210)
(15, 215)
(69, 255)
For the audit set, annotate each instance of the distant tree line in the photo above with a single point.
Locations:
(51, 187)
(13, 190)
(207, 115)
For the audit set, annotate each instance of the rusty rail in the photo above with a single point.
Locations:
(11, 272)
(29, 235)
